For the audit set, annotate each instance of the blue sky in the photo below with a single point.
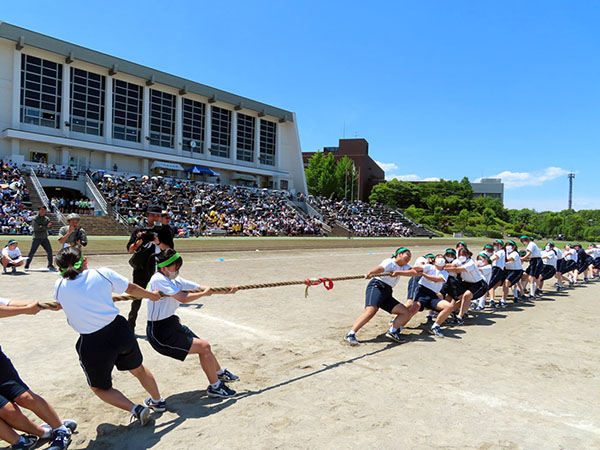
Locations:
(438, 88)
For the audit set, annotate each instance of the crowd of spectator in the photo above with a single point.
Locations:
(362, 218)
(69, 172)
(198, 209)
(82, 206)
(15, 217)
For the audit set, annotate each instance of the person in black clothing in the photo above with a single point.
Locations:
(144, 244)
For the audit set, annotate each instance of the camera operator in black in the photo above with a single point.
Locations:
(145, 242)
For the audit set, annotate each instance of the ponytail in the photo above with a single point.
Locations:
(69, 260)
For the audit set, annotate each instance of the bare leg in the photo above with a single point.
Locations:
(147, 380)
(465, 302)
(367, 315)
(8, 434)
(209, 363)
(114, 397)
(445, 308)
(404, 313)
(12, 415)
(39, 407)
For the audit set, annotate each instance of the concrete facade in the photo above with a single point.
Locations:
(489, 187)
(27, 142)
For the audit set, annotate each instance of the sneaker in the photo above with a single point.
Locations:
(538, 292)
(14, 269)
(71, 425)
(228, 377)
(459, 321)
(585, 279)
(61, 440)
(430, 318)
(503, 304)
(222, 391)
(351, 339)
(159, 406)
(493, 304)
(4, 271)
(51, 269)
(28, 441)
(436, 331)
(142, 414)
(395, 336)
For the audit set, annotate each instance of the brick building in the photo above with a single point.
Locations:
(358, 151)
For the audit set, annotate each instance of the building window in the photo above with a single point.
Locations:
(41, 91)
(127, 111)
(245, 137)
(162, 119)
(268, 142)
(220, 128)
(284, 185)
(193, 125)
(87, 102)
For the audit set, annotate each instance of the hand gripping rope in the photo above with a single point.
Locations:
(308, 282)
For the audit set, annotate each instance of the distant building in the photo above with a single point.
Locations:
(489, 187)
(358, 151)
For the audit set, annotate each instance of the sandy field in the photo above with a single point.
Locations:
(524, 377)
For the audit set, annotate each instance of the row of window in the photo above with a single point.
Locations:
(41, 94)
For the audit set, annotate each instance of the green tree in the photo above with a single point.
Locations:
(489, 218)
(462, 220)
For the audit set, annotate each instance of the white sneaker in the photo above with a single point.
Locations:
(351, 339)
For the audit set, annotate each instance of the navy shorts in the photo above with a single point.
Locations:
(112, 346)
(413, 285)
(11, 385)
(535, 267)
(451, 287)
(584, 263)
(560, 264)
(498, 276)
(569, 266)
(513, 276)
(548, 272)
(478, 289)
(379, 294)
(427, 298)
(170, 338)
(597, 263)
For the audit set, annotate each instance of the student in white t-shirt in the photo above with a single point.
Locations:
(168, 336)
(570, 267)
(514, 272)
(379, 294)
(106, 340)
(11, 256)
(472, 285)
(14, 393)
(550, 258)
(534, 270)
(498, 273)
(484, 262)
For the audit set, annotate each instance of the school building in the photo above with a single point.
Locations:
(63, 104)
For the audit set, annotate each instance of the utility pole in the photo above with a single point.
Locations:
(571, 176)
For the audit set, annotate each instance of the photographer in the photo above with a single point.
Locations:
(72, 234)
(41, 224)
(144, 243)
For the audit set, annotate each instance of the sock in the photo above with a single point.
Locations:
(215, 385)
(133, 409)
(393, 330)
(482, 302)
(220, 371)
(47, 431)
(62, 428)
(351, 333)
(435, 325)
(532, 290)
(159, 400)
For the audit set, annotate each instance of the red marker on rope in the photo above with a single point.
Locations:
(327, 284)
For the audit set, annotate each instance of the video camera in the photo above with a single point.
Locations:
(149, 233)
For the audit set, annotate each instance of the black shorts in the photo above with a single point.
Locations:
(112, 346)
(584, 263)
(427, 298)
(569, 266)
(379, 294)
(11, 385)
(451, 287)
(170, 338)
(513, 276)
(560, 265)
(413, 285)
(478, 289)
(498, 276)
(535, 267)
(548, 272)
(597, 263)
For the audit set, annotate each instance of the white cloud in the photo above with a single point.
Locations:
(387, 167)
(513, 180)
(410, 177)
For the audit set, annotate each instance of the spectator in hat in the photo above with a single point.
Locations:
(11, 256)
(72, 234)
(41, 224)
(145, 242)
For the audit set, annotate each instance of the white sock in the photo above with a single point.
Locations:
(47, 431)
(532, 289)
(159, 400)
(62, 428)
(351, 333)
(482, 302)
(215, 385)
(220, 371)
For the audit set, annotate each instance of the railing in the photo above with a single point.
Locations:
(44, 198)
(101, 201)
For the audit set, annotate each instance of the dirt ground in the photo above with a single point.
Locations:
(524, 377)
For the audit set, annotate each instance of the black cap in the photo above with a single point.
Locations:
(154, 209)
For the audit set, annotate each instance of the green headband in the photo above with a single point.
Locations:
(401, 250)
(525, 237)
(429, 255)
(450, 250)
(485, 256)
(462, 242)
(76, 266)
(499, 241)
(489, 247)
(169, 261)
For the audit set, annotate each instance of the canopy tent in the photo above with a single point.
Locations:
(243, 176)
(166, 165)
(202, 170)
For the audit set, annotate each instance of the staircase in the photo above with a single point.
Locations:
(103, 226)
(36, 202)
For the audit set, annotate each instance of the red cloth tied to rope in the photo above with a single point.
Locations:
(327, 283)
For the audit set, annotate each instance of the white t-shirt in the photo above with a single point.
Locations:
(501, 261)
(421, 260)
(166, 306)
(4, 301)
(12, 254)
(87, 300)
(390, 265)
(472, 273)
(534, 249)
(559, 253)
(515, 264)
(432, 270)
(570, 255)
(549, 258)
(486, 271)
